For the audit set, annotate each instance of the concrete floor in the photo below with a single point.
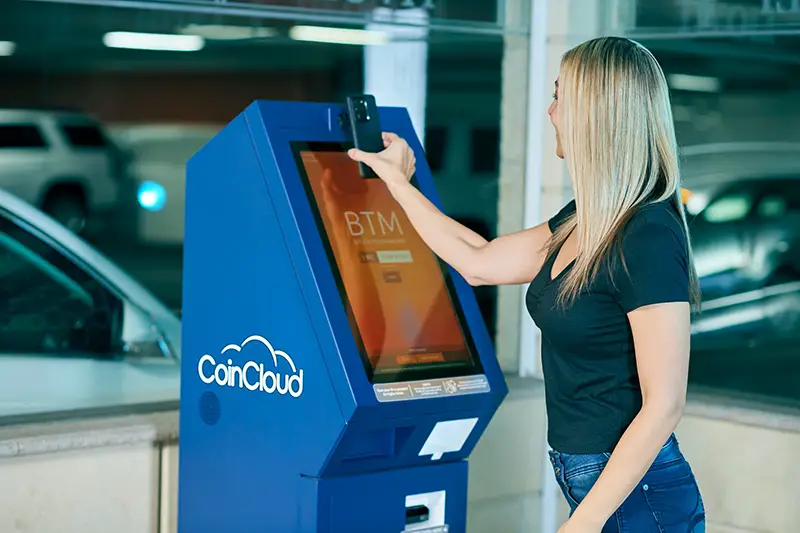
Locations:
(507, 515)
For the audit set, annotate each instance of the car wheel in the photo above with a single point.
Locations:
(68, 208)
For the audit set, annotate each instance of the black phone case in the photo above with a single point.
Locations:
(367, 135)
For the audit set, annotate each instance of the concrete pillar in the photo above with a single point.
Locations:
(556, 26)
(397, 73)
(511, 186)
(529, 169)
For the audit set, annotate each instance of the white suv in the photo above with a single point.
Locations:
(61, 162)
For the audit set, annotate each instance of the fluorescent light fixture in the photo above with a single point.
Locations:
(701, 84)
(322, 34)
(225, 32)
(153, 41)
(7, 48)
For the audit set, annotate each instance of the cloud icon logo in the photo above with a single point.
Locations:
(252, 375)
(275, 353)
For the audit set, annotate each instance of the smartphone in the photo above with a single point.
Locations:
(365, 126)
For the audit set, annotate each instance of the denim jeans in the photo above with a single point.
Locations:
(667, 500)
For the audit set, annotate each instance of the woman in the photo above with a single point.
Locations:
(611, 288)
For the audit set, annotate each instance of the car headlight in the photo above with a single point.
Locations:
(152, 196)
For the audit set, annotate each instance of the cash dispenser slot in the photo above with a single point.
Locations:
(375, 444)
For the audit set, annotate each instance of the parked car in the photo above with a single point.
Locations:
(749, 235)
(76, 332)
(747, 252)
(62, 162)
(707, 168)
(159, 155)
(760, 318)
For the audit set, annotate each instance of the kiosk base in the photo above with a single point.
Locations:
(427, 499)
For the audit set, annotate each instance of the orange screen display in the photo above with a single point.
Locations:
(396, 291)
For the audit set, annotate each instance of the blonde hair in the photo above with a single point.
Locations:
(617, 132)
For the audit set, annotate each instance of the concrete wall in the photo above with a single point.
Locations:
(95, 490)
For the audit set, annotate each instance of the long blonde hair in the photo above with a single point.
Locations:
(617, 132)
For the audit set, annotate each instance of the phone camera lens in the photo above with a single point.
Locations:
(362, 115)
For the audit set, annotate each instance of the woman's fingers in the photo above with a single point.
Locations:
(396, 158)
(362, 156)
(389, 138)
(373, 161)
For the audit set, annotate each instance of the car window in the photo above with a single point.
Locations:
(729, 208)
(772, 206)
(781, 197)
(48, 305)
(435, 147)
(84, 135)
(21, 136)
(485, 150)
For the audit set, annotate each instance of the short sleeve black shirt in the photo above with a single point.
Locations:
(589, 366)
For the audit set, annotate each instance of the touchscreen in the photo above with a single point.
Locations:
(396, 292)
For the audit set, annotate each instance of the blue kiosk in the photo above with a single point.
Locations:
(335, 375)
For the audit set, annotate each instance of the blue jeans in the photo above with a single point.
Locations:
(667, 500)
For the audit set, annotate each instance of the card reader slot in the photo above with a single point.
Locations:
(416, 514)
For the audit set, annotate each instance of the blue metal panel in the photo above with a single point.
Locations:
(298, 119)
(243, 449)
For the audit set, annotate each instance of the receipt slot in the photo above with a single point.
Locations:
(335, 374)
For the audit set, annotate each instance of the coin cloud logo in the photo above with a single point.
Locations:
(253, 375)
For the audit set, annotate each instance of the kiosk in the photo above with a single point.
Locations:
(335, 374)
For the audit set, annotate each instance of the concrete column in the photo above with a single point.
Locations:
(511, 186)
(618, 16)
(397, 73)
(532, 180)
(556, 27)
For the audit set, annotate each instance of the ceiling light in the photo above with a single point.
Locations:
(7, 48)
(224, 32)
(686, 82)
(153, 41)
(321, 34)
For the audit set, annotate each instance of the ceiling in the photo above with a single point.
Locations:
(55, 36)
(746, 43)
(685, 36)
(715, 16)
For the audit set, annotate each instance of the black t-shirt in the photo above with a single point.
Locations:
(592, 386)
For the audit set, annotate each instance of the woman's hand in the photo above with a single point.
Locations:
(395, 165)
